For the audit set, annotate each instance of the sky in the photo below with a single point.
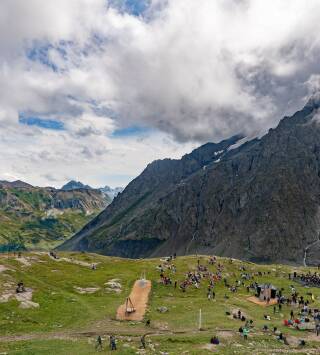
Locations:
(94, 90)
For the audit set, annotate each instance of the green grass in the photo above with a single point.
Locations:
(76, 319)
(37, 231)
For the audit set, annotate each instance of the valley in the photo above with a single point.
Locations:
(42, 218)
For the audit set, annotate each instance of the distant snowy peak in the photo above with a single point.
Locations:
(107, 190)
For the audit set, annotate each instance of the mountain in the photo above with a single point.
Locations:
(35, 217)
(259, 201)
(158, 180)
(109, 192)
(75, 185)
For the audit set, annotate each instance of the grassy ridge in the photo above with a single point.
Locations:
(68, 322)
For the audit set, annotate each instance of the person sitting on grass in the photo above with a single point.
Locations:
(302, 343)
(214, 340)
(20, 287)
(281, 337)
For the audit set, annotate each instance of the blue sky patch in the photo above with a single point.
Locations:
(41, 122)
(39, 52)
(133, 7)
(130, 131)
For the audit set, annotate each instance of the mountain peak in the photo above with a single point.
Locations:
(75, 185)
(314, 100)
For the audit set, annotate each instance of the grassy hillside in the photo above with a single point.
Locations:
(68, 322)
(42, 218)
(39, 231)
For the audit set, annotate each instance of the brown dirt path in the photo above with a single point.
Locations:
(139, 296)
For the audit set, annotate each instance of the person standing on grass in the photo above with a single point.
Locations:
(318, 329)
(99, 343)
(245, 333)
(291, 315)
(113, 345)
(143, 341)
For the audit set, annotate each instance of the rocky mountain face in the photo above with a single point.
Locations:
(36, 217)
(259, 201)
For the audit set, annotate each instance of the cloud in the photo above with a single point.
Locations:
(177, 71)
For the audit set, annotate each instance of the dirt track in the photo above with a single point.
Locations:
(139, 296)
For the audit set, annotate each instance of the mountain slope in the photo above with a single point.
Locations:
(35, 217)
(259, 201)
(155, 182)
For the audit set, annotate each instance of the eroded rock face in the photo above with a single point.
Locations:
(259, 201)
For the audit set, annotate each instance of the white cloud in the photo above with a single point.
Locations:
(192, 71)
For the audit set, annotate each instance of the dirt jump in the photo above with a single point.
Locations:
(135, 305)
(257, 301)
